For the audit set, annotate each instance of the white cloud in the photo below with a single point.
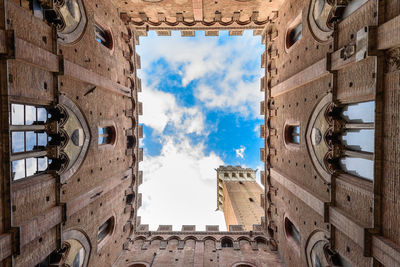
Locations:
(180, 186)
(223, 66)
(161, 109)
(240, 152)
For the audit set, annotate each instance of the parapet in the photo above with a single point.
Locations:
(186, 229)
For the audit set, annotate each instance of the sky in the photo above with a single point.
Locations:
(200, 100)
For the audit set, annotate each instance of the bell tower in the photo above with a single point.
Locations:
(238, 196)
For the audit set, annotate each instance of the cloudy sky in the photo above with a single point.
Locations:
(200, 110)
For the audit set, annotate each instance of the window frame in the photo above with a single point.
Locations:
(36, 128)
(111, 229)
(294, 24)
(226, 240)
(109, 44)
(292, 241)
(114, 132)
(288, 135)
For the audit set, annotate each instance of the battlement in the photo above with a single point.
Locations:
(186, 229)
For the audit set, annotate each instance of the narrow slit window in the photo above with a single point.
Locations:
(294, 34)
(292, 233)
(105, 229)
(103, 36)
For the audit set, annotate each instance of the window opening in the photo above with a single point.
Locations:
(102, 36)
(357, 138)
(358, 167)
(28, 140)
(251, 199)
(226, 243)
(106, 135)
(293, 134)
(294, 34)
(292, 232)
(129, 199)
(105, 229)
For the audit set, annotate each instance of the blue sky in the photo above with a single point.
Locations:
(201, 109)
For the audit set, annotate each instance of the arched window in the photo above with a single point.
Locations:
(226, 243)
(103, 36)
(28, 140)
(105, 229)
(106, 135)
(292, 233)
(74, 251)
(322, 255)
(294, 32)
(325, 13)
(292, 134)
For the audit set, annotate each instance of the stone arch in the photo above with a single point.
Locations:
(139, 238)
(241, 238)
(190, 237)
(74, 150)
(138, 264)
(174, 237)
(314, 237)
(226, 237)
(244, 264)
(69, 18)
(209, 238)
(157, 238)
(79, 236)
(261, 239)
(316, 145)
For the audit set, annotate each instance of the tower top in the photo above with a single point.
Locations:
(232, 174)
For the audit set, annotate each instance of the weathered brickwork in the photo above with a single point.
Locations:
(76, 62)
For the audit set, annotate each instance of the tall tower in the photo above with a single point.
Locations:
(238, 196)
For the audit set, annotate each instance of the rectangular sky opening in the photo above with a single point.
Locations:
(201, 100)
